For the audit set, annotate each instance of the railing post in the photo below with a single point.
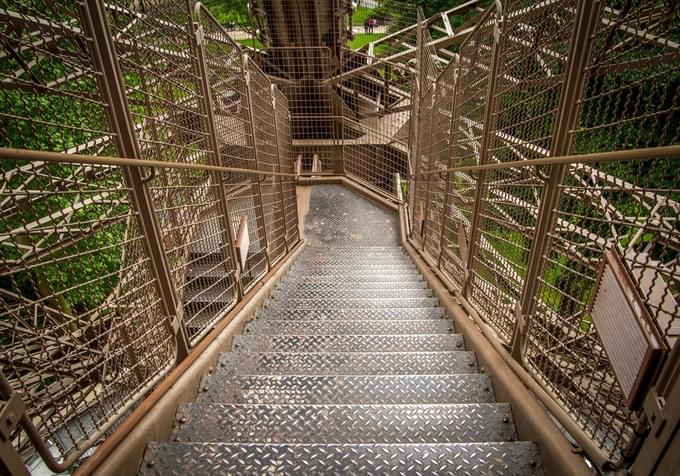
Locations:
(278, 163)
(487, 135)
(113, 89)
(228, 248)
(580, 48)
(251, 118)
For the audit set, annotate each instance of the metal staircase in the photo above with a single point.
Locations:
(351, 367)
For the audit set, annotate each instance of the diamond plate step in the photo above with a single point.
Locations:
(350, 327)
(351, 303)
(417, 313)
(365, 293)
(334, 257)
(352, 343)
(350, 273)
(353, 268)
(358, 389)
(363, 260)
(462, 459)
(289, 284)
(347, 363)
(246, 423)
(358, 278)
(338, 249)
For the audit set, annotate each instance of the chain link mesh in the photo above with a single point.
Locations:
(84, 331)
(630, 101)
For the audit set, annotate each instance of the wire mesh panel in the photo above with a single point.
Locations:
(439, 159)
(232, 116)
(466, 135)
(422, 161)
(631, 101)
(159, 65)
(376, 94)
(526, 99)
(84, 336)
(376, 113)
(286, 158)
(302, 73)
(264, 133)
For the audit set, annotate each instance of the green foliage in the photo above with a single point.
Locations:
(361, 14)
(252, 42)
(362, 39)
(226, 11)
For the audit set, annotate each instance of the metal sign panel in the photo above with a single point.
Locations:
(242, 242)
(627, 331)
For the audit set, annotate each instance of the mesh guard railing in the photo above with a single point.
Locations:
(117, 244)
(521, 244)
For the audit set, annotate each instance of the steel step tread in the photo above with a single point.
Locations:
(362, 260)
(346, 363)
(374, 423)
(274, 313)
(360, 278)
(350, 272)
(361, 293)
(328, 286)
(348, 343)
(286, 303)
(519, 458)
(349, 327)
(344, 389)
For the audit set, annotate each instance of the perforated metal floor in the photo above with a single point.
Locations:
(351, 367)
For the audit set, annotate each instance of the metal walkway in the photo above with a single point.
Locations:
(350, 368)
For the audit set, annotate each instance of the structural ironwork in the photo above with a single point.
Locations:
(523, 144)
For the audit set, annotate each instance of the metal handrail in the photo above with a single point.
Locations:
(664, 152)
(60, 157)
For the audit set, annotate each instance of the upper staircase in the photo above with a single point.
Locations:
(352, 367)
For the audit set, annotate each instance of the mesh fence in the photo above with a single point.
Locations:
(285, 144)
(266, 146)
(630, 101)
(86, 319)
(159, 66)
(509, 92)
(79, 304)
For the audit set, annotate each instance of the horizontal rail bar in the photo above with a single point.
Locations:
(60, 157)
(665, 152)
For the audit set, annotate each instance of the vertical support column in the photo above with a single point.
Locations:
(580, 49)
(113, 89)
(228, 247)
(251, 118)
(278, 162)
(488, 128)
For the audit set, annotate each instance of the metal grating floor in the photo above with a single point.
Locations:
(351, 367)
